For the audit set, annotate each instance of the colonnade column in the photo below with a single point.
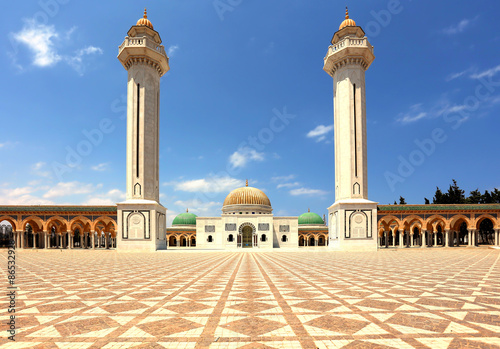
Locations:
(70, 240)
(92, 237)
(424, 238)
(19, 238)
(401, 236)
(497, 237)
(447, 238)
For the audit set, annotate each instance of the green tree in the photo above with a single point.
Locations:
(475, 197)
(402, 200)
(426, 201)
(439, 197)
(496, 196)
(487, 198)
(455, 194)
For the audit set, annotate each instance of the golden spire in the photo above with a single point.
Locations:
(347, 21)
(247, 183)
(308, 209)
(146, 13)
(346, 13)
(187, 210)
(144, 20)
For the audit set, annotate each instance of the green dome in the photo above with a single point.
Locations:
(185, 219)
(310, 218)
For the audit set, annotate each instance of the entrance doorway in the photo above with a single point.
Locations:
(247, 233)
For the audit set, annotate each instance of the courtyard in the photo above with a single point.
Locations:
(408, 298)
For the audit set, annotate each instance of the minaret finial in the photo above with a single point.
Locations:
(247, 183)
(187, 210)
(308, 209)
(346, 13)
(146, 13)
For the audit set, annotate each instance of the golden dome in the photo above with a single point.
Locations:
(347, 21)
(247, 196)
(145, 21)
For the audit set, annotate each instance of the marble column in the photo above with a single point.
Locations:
(424, 238)
(447, 238)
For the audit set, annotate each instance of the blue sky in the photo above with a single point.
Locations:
(238, 68)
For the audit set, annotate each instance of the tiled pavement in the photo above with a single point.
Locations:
(419, 298)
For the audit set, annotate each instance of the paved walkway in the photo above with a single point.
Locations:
(429, 298)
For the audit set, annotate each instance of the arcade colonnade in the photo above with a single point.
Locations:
(438, 225)
(67, 227)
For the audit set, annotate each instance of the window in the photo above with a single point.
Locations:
(209, 228)
(263, 238)
(230, 238)
(210, 238)
(284, 238)
(230, 227)
(264, 226)
(284, 228)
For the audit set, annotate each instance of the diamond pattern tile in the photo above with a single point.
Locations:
(420, 298)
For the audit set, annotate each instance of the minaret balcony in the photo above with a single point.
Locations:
(348, 48)
(145, 48)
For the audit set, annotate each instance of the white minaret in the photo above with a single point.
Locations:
(141, 218)
(352, 218)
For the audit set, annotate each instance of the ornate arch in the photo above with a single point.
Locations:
(430, 222)
(79, 219)
(484, 216)
(389, 219)
(13, 222)
(411, 220)
(33, 219)
(246, 224)
(456, 218)
(105, 220)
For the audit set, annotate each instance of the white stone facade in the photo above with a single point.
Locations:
(141, 218)
(352, 218)
(228, 231)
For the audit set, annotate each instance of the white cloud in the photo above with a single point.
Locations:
(414, 114)
(243, 155)
(172, 49)
(200, 208)
(320, 132)
(100, 167)
(283, 178)
(76, 61)
(487, 73)
(457, 75)
(109, 198)
(287, 185)
(21, 196)
(42, 40)
(39, 39)
(460, 27)
(307, 191)
(209, 185)
(40, 169)
(70, 188)
(8, 144)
